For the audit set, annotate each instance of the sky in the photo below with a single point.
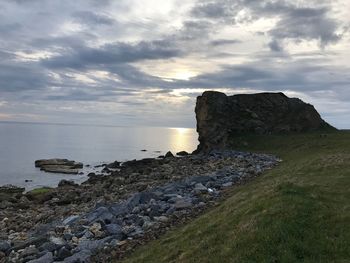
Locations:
(143, 63)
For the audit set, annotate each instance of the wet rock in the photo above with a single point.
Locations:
(114, 165)
(64, 183)
(182, 153)
(169, 154)
(63, 166)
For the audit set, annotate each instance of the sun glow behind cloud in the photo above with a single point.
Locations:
(129, 58)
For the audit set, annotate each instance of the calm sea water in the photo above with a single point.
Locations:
(23, 143)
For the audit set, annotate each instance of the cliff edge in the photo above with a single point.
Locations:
(220, 117)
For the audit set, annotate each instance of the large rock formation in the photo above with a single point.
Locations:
(220, 117)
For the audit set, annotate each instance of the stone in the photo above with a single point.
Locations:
(182, 153)
(81, 257)
(115, 230)
(11, 189)
(169, 154)
(70, 220)
(57, 241)
(114, 165)
(162, 219)
(89, 235)
(220, 118)
(47, 258)
(67, 236)
(4, 246)
(199, 187)
(64, 183)
(227, 184)
(182, 204)
(63, 166)
(29, 251)
(63, 253)
(48, 246)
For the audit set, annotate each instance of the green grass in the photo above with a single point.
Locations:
(297, 212)
(40, 191)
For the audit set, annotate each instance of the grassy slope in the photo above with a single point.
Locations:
(297, 212)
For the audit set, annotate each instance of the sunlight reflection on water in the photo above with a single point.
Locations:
(22, 144)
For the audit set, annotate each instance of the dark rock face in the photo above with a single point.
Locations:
(220, 117)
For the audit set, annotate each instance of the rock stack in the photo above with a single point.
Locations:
(220, 117)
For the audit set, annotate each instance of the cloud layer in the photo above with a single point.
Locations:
(134, 62)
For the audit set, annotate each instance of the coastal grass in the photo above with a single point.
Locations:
(40, 191)
(296, 212)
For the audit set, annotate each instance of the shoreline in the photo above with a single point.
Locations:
(52, 209)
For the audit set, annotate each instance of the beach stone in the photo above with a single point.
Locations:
(80, 257)
(70, 220)
(114, 229)
(227, 184)
(47, 258)
(199, 187)
(48, 246)
(63, 253)
(182, 204)
(57, 241)
(4, 246)
(29, 251)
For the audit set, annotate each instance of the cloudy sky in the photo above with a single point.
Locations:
(137, 62)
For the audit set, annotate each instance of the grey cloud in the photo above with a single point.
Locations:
(274, 45)
(111, 54)
(221, 42)
(22, 77)
(91, 18)
(308, 24)
(295, 22)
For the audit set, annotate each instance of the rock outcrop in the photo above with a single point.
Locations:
(63, 166)
(220, 117)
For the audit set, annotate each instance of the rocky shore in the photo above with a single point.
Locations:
(128, 204)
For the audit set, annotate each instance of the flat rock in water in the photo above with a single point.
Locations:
(63, 166)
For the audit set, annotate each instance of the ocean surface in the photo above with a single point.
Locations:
(23, 143)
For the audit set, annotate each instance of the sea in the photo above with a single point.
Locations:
(23, 143)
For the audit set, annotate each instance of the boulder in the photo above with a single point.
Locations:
(169, 154)
(182, 153)
(220, 118)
